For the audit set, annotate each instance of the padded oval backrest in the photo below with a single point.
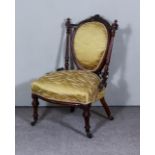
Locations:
(90, 44)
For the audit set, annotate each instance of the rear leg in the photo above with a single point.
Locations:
(106, 108)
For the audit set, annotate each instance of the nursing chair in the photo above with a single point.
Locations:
(88, 47)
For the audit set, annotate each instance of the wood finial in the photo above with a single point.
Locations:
(68, 23)
(114, 27)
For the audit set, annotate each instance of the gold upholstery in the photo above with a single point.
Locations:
(90, 43)
(75, 86)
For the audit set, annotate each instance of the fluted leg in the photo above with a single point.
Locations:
(35, 104)
(106, 108)
(86, 115)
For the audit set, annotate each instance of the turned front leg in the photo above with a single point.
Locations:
(86, 115)
(35, 104)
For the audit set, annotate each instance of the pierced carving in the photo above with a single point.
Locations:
(104, 76)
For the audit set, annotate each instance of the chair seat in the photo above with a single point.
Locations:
(75, 86)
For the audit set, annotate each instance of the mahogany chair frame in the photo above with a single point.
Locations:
(102, 70)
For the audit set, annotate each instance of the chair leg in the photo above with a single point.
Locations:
(106, 108)
(35, 104)
(72, 109)
(86, 115)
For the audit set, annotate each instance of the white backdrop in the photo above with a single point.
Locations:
(40, 43)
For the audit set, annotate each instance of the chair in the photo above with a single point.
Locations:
(89, 47)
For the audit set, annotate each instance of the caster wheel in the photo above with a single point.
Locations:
(33, 123)
(72, 109)
(89, 135)
(111, 118)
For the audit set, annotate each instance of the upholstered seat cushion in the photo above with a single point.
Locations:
(69, 86)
